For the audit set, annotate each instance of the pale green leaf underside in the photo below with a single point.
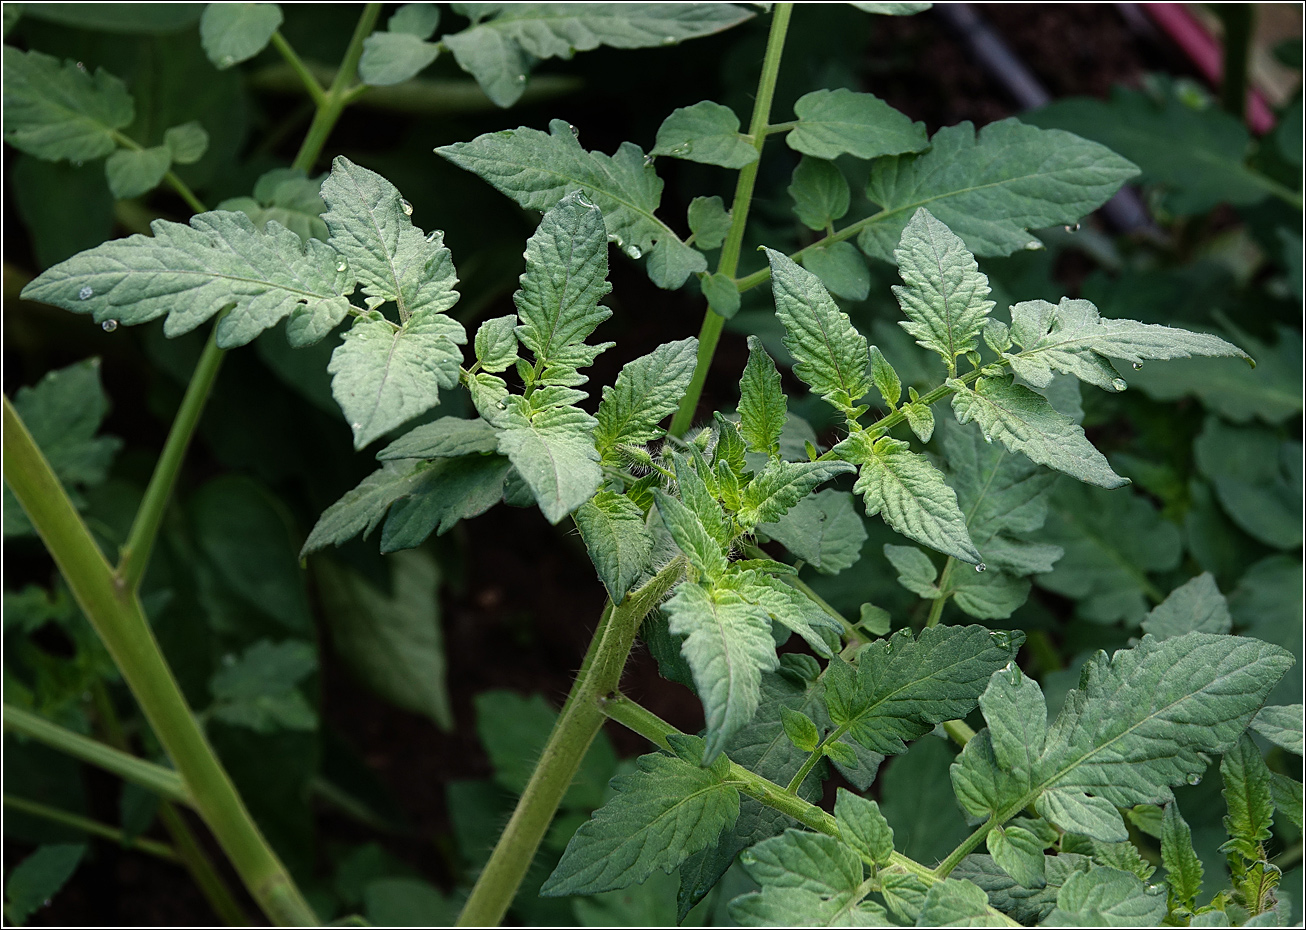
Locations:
(56, 110)
(447, 436)
(619, 544)
(820, 192)
(781, 485)
(1281, 726)
(236, 32)
(362, 509)
(707, 132)
(1106, 897)
(841, 122)
(814, 862)
(647, 390)
(133, 172)
(394, 57)
(448, 490)
(762, 403)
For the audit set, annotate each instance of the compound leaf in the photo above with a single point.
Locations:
(781, 485)
(992, 187)
(811, 861)
(647, 390)
(1182, 866)
(442, 493)
(1106, 897)
(762, 403)
(953, 903)
(1248, 798)
(259, 689)
(57, 110)
(661, 814)
(693, 538)
(863, 827)
(707, 132)
(619, 545)
(787, 606)
(362, 509)
(841, 122)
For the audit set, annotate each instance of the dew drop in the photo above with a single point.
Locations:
(521, 79)
(433, 235)
(1138, 366)
(85, 293)
(1000, 638)
(1155, 890)
(1072, 229)
(501, 405)
(341, 266)
(78, 163)
(668, 40)
(355, 425)
(987, 438)
(406, 207)
(574, 131)
(981, 567)
(81, 66)
(109, 325)
(633, 251)
(648, 161)
(1033, 245)
(1119, 384)
(1194, 779)
(683, 148)
(227, 61)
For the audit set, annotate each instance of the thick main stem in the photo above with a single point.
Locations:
(576, 728)
(710, 333)
(115, 613)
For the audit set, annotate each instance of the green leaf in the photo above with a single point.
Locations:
(1072, 337)
(875, 620)
(191, 273)
(800, 729)
(728, 645)
(1027, 905)
(398, 54)
(39, 877)
(707, 132)
(1248, 798)
(1019, 853)
(1281, 726)
(781, 485)
(131, 19)
(619, 545)
(829, 354)
(1183, 869)
(60, 111)
(693, 539)
(811, 861)
(1111, 543)
(721, 293)
(886, 378)
(762, 403)
(445, 437)
(944, 292)
(661, 814)
(1106, 897)
(553, 449)
(916, 572)
(910, 494)
(1025, 422)
(820, 193)
(288, 197)
(952, 903)
(362, 509)
(1287, 793)
(904, 688)
(992, 187)
(537, 170)
(840, 122)
(393, 642)
(1257, 479)
(1197, 153)
(893, 9)
(187, 142)
(1195, 605)
(823, 530)
(797, 907)
(371, 228)
(709, 221)
(236, 32)
(863, 827)
(498, 52)
(382, 375)
(841, 269)
(1076, 812)
(406, 902)
(558, 303)
(787, 606)
(448, 490)
(258, 690)
(132, 172)
(647, 391)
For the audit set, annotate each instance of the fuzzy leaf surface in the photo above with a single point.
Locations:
(236, 32)
(787, 606)
(1026, 905)
(1025, 422)
(953, 903)
(797, 907)
(823, 530)
(190, 273)
(646, 392)
(762, 403)
(56, 110)
(781, 485)
(707, 132)
(693, 538)
(990, 187)
(362, 509)
(1248, 798)
(863, 827)
(448, 490)
(1281, 726)
(841, 122)
(447, 436)
(553, 449)
(661, 813)
(619, 545)
(1106, 897)
(800, 859)
(1195, 605)
(1183, 867)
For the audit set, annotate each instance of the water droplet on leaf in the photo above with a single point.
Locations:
(683, 148)
(1073, 228)
(227, 61)
(1138, 366)
(574, 131)
(1119, 384)
(668, 40)
(109, 325)
(355, 425)
(648, 161)
(341, 266)
(81, 66)
(633, 251)
(521, 79)
(85, 293)
(1155, 889)
(501, 405)
(1194, 779)
(981, 567)
(433, 235)
(1033, 245)
(406, 207)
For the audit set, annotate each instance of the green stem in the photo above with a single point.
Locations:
(959, 731)
(576, 728)
(162, 781)
(93, 827)
(135, 554)
(814, 757)
(177, 184)
(297, 65)
(115, 613)
(710, 332)
(936, 607)
(968, 845)
(336, 98)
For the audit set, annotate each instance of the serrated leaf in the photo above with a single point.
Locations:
(841, 268)
(236, 32)
(1182, 866)
(709, 221)
(57, 110)
(647, 390)
(841, 122)
(1247, 797)
(259, 691)
(662, 813)
(944, 292)
(916, 572)
(38, 878)
(820, 192)
(989, 595)
(1019, 853)
(1025, 422)
(553, 449)
(911, 495)
(1076, 812)
(1026, 905)
(823, 530)
(1195, 605)
(811, 861)
(191, 273)
(1111, 543)
(132, 172)
(371, 229)
(762, 403)
(1281, 726)
(983, 787)
(499, 52)
(829, 354)
(992, 187)
(796, 907)
(1287, 794)
(906, 686)
(886, 378)
(781, 485)
(1106, 897)
(445, 437)
(893, 9)
(382, 375)
(362, 509)
(537, 170)
(787, 606)
(288, 197)
(800, 729)
(706, 132)
(619, 545)
(393, 641)
(952, 903)
(449, 490)
(863, 827)
(691, 536)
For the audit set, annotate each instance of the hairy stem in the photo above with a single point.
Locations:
(967, 846)
(116, 615)
(301, 70)
(576, 728)
(710, 333)
(93, 827)
(336, 98)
